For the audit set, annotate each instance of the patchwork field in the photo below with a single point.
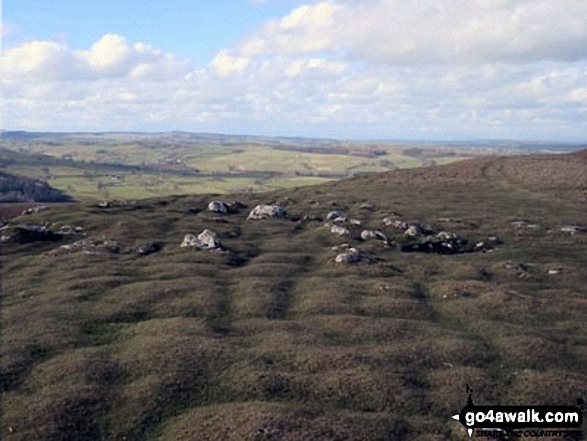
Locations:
(133, 166)
(272, 339)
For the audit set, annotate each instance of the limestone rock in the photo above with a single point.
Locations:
(206, 240)
(267, 211)
(341, 231)
(373, 234)
(218, 207)
(352, 255)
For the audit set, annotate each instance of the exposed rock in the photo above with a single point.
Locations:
(353, 255)
(33, 210)
(349, 257)
(341, 231)
(413, 231)
(373, 234)
(450, 220)
(206, 240)
(209, 239)
(573, 229)
(443, 243)
(146, 249)
(267, 211)
(68, 230)
(393, 222)
(391, 218)
(366, 206)
(445, 236)
(524, 225)
(336, 214)
(88, 246)
(341, 217)
(344, 246)
(189, 240)
(218, 207)
(34, 233)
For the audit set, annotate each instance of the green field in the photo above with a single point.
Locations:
(133, 166)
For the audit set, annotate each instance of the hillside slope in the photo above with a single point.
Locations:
(22, 189)
(131, 336)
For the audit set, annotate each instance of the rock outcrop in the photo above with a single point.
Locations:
(218, 207)
(88, 246)
(353, 255)
(341, 231)
(373, 234)
(32, 233)
(206, 240)
(264, 211)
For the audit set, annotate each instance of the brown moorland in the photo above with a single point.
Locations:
(274, 340)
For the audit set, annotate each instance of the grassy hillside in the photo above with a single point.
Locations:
(274, 340)
(139, 165)
(22, 189)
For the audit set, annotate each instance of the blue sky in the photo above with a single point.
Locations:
(363, 69)
(191, 29)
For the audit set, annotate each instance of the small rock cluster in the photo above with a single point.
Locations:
(88, 246)
(573, 229)
(206, 240)
(410, 228)
(33, 210)
(342, 217)
(352, 255)
(341, 231)
(442, 243)
(68, 230)
(32, 233)
(375, 234)
(224, 207)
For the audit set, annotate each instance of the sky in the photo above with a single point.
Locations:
(347, 69)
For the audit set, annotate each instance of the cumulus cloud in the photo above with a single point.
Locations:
(226, 64)
(342, 68)
(111, 56)
(439, 32)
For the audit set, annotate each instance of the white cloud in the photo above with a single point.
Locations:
(226, 64)
(421, 31)
(343, 68)
(111, 56)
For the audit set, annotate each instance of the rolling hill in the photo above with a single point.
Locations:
(22, 189)
(97, 166)
(111, 330)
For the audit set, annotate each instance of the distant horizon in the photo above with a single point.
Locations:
(252, 135)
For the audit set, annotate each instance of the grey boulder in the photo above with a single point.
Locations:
(266, 212)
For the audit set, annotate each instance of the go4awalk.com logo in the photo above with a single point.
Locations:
(521, 421)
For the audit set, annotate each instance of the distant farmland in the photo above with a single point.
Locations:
(133, 166)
